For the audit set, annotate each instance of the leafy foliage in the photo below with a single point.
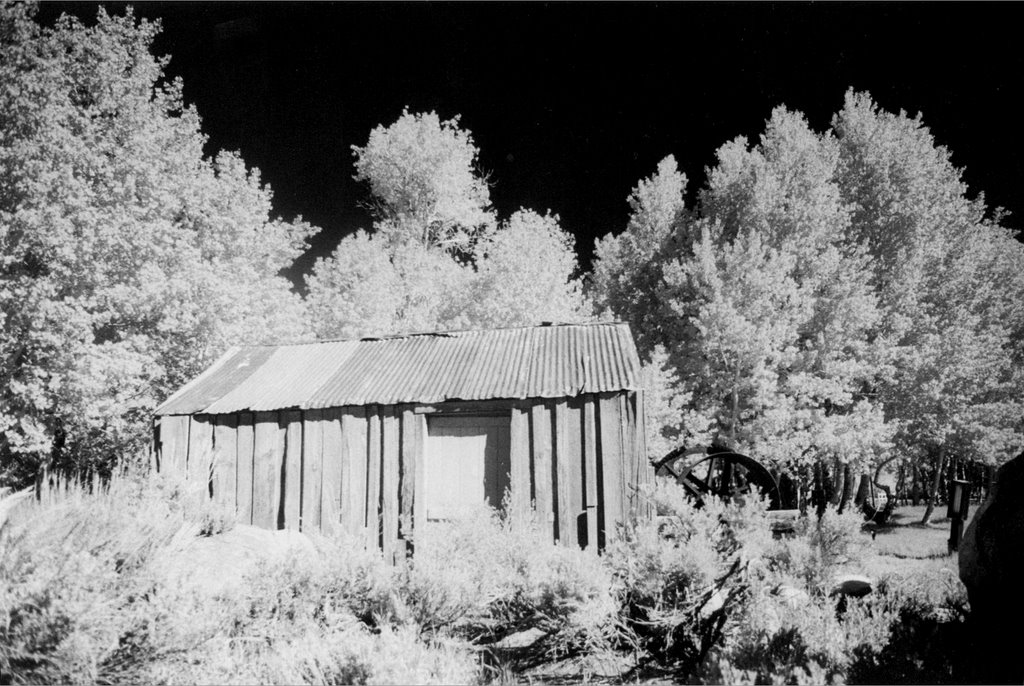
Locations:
(525, 274)
(426, 187)
(833, 297)
(438, 258)
(128, 259)
(949, 282)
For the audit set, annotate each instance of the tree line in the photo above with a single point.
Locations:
(830, 302)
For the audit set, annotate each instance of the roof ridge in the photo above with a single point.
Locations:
(447, 333)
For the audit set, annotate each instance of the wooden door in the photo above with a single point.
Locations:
(466, 463)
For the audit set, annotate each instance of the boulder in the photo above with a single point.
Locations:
(852, 585)
(992, 568)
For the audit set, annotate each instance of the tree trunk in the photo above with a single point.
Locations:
(847, 494)
(863, 490)
(933, 493)
(806, 487)
(835, 484)
(735, 402)
(882, 516)
(915, 485)
(901, 483)
(818, 498)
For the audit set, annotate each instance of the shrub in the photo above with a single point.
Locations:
(819, 548)
(929, 633)
(793, 631)
(685, 575)
(93, 589)
(785, 639)
(89, 594)
(72, 581)
(482, 578)
(341, 654)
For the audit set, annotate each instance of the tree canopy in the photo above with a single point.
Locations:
(833, 296)
(425, 181)
(128, 258)
(437, 257)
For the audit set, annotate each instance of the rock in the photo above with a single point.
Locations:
(853, 585)
(713, 604)
(521, 639)
(992, 568)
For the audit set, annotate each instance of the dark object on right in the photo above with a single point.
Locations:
(992, 569)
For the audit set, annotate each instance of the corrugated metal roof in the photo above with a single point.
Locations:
(529, 362)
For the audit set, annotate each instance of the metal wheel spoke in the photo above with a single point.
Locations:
(727, 474)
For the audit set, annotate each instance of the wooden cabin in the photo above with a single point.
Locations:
(378, 436)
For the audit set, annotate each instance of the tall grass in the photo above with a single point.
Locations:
(109, 583)
(91, 591)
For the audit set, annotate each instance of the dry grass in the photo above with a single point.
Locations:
(92, 590)
(905, 546)
(102, 585)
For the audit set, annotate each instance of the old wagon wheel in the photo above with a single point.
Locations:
(719, 472)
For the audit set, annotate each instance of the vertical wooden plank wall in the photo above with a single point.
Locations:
(246, 442)
(541, 437)
(591, 485)
(269, 440)
(225, 460)
(610, 466)
(331, 479)
(578, 462)
(645, 470)
(574, 464)
(565, 517)
(390, 447)
(353, 470)
(291, 472)
(587, 458)
(373, 477)
(200, 456)
(409, 476)
(519, 464)
(312, 469)
(173, 449)
(419, 504)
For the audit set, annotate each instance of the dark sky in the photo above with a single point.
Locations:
(570, 103)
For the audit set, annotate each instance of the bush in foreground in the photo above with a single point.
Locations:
(88, 595)
(103, 586)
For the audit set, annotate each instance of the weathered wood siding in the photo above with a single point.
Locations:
(576, 465)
